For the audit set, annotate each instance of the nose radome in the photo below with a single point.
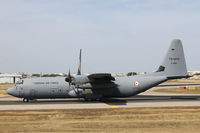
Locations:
(11, 91)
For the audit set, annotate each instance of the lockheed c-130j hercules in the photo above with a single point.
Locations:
(102, 85)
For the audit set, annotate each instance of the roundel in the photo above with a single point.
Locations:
(136, 83)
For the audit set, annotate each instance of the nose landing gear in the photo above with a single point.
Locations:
(25, 100)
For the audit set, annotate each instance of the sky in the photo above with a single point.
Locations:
(116, 36)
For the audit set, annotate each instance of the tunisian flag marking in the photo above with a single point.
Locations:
(136, 83)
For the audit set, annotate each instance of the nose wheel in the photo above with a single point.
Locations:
(25, 100)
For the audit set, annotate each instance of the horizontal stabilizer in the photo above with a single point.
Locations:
(179, 84)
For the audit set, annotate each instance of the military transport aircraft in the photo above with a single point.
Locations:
(102, 85)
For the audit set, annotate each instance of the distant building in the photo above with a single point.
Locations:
(194, 73)
(9, 78)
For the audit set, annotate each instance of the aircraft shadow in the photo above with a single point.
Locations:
(151, 98)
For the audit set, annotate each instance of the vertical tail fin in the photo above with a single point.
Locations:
(174, 64)
(79, 63)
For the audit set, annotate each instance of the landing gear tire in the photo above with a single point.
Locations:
(86, 99)
(93, 99)
(25, 100)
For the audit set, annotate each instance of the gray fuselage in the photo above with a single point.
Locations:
(57, 87)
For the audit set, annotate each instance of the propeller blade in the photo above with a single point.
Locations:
(69, 77)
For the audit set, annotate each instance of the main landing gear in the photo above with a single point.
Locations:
(93, 97)
(25, 100)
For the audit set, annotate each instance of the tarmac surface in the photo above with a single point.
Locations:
(146, 99)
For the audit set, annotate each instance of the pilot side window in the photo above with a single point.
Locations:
(20, 82)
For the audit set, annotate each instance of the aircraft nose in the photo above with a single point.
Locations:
(11, 91)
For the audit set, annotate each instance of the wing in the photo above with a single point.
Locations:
(101, 78)
(96, 80)
(92, 78)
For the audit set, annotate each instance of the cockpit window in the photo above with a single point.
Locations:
(20, 82)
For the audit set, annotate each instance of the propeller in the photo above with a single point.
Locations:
(69, 78)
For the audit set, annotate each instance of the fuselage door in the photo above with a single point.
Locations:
(57, 92)
(33, 93)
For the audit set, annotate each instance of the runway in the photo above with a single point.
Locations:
(149, 98)
(136, 101)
